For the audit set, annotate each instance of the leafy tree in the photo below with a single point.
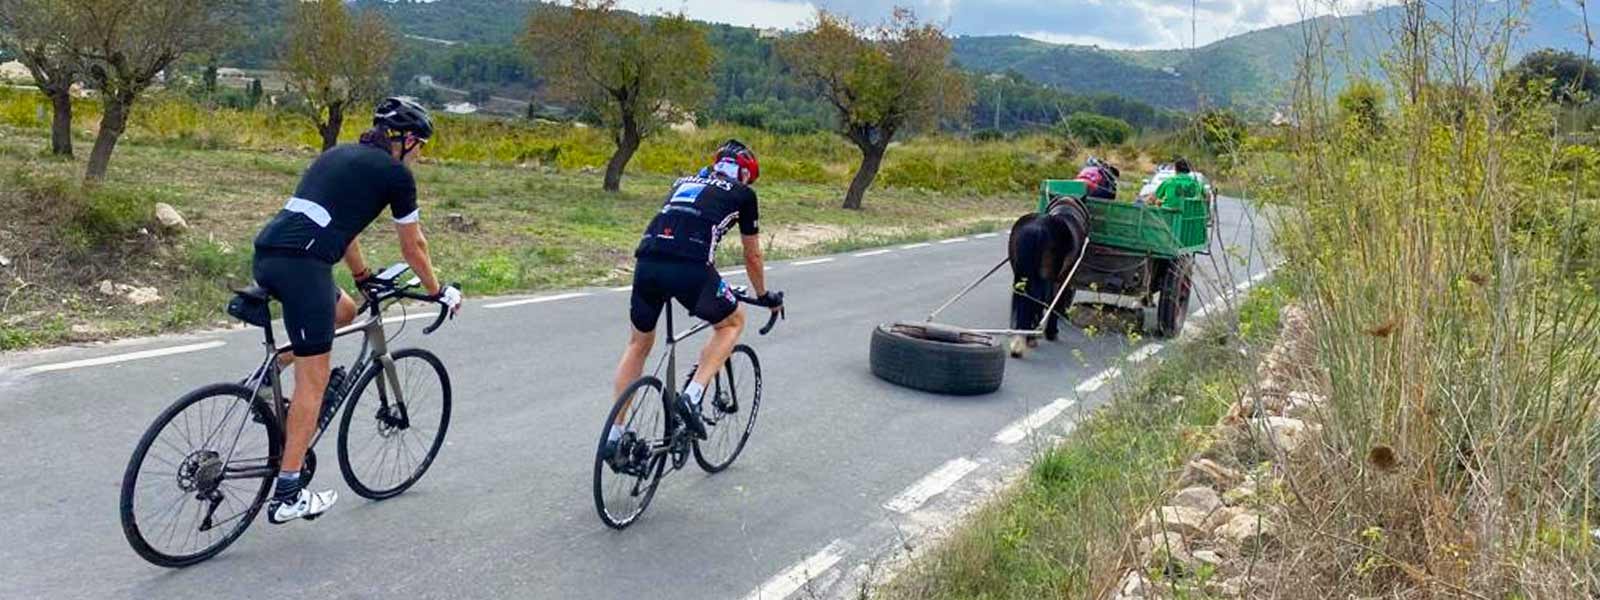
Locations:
(253, 96)
(1361, 105)
(1094, 130)
(1573, 78)
(880, 80)
(33, 31)
(125, 47)
(636, 74)
(336, 61)
(1218, 132)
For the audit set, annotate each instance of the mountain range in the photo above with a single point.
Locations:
(1249, 70)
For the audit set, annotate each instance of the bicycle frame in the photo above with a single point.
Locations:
(374, 347)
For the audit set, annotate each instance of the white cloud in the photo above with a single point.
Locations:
(780, 14)
(1136, 24)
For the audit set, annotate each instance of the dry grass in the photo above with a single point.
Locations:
(1448, 263)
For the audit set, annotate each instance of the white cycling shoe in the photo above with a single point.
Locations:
(308, 506)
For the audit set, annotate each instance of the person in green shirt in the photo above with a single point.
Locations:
(1182, 185)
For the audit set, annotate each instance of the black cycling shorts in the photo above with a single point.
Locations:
(304, 285)
(694, 284)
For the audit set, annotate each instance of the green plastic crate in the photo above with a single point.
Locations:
(1167, 231)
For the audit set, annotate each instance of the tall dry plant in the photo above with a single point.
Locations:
(1449, 262)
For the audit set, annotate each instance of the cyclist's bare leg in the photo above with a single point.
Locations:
(723, 336)
(632, 364)
(344, 313)
(310, 380)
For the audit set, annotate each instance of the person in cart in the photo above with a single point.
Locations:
(1177, 180)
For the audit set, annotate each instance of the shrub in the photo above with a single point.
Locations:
(1091, 129)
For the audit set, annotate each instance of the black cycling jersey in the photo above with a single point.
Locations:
(696, 215)
(342, 192)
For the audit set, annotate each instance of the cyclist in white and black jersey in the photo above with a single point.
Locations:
(342, 192)
(674, 260)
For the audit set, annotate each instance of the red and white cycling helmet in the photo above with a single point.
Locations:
(742, 159)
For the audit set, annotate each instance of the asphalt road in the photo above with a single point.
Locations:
(506, 510)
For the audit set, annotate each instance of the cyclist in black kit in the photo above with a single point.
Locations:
(342, 192)
(675, 261)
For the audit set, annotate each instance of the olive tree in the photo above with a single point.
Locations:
(336, 60)
(881, 80)
(126, 47)
(638, 74)
(34, 31)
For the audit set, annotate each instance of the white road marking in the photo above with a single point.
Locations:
(814, 261)
(626, 288)
(1019, 430)
(984, 236)
(116, 358)
(930, 485)
(915, 246)
(537, 300)
(1098, 381)
(953, 240)
(411, 317)
(796, 577)
(731, 272)
(1259, 276)
(1140, 355)
(874, 253)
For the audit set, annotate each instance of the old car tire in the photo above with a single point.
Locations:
(1172, 308)
(938, 359)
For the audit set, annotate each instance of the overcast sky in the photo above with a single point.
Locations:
(1138, 24)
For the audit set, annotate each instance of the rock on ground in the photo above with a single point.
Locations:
(1248, 531)
(169, 217)
(1187, 522)
(1207, 472)
(1201, 498)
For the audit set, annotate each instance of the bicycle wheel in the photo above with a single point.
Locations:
(624, 486)
(385, 443)
(730, 412)
(199, 475)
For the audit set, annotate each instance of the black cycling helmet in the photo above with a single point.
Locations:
(403, 116)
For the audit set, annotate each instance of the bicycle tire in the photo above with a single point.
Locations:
(132, 485)
(369, 485)
(746, 402)
(653, 470)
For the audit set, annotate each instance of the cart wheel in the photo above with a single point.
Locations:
(1172, 308)
(937, 358)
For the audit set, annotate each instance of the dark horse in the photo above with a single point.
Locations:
(1043, 250)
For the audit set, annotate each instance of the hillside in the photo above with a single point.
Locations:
(1246, 70)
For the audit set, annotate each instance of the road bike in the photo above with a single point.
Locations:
(205, 467)
(653, 435)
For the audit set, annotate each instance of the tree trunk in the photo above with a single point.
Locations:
(871, 160)
(61, 123)
(112, 124)
(627, 143)
(330, 130)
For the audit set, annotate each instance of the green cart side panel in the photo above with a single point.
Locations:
(1060, 187)
(1167, 231)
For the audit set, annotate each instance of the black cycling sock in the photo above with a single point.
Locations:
(288, 489)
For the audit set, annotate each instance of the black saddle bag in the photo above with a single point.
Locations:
(250, 309)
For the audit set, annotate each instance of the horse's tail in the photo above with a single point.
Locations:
(1030, 240)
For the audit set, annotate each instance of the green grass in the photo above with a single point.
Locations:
(1063, 531)
(526, 229)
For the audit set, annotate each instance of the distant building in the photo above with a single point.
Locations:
(15, 72)
(231, 73)
(460, 108)
(1170, 71)
(769, 33)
